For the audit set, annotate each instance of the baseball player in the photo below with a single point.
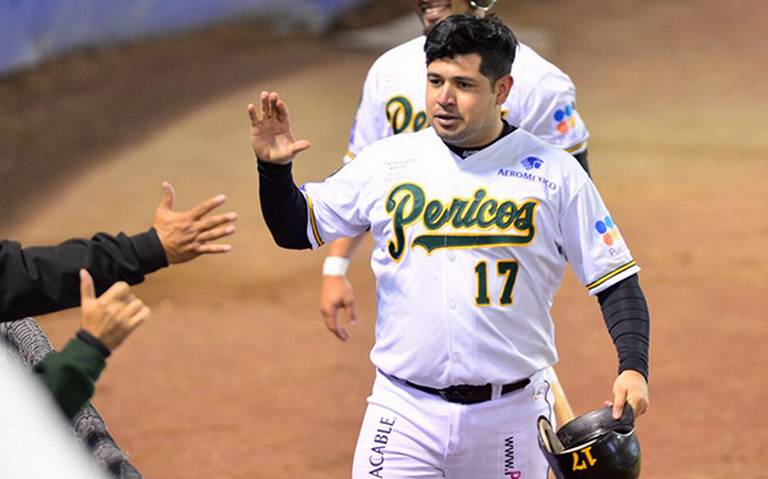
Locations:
(473, 222)
(541, 101)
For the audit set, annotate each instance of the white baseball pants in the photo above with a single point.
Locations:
(408, 433)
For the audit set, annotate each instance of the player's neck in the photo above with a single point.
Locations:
(466, 151)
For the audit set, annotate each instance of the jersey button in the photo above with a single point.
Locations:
(452, 304)
(451, 256)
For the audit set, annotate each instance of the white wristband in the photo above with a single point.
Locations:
(335, 266)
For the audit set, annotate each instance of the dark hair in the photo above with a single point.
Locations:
(465, 34)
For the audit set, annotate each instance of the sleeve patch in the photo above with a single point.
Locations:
(565, 119)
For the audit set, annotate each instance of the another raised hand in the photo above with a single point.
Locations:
(114, 315)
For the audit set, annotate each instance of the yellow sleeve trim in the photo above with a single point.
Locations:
(610, 275)
(576, 148)
(313, 223)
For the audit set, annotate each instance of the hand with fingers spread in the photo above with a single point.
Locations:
(336, 296)
(186, 235)
(630, 387)
(114, 315)
(271, 136)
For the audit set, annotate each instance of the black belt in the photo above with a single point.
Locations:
(466, 394)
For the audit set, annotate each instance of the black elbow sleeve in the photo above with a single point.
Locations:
(283, 206)
(626, 315)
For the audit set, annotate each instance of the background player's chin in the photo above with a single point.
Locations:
(435, 15)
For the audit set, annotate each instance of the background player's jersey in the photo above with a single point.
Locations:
(542, 100)
(469, 253)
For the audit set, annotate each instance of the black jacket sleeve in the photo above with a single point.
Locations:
(40, 280)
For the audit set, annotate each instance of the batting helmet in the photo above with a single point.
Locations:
(593, 446)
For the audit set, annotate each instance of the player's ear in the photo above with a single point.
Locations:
(502, 88)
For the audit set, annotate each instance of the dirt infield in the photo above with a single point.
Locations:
(235, 376)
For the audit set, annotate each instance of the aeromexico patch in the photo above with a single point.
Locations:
(507, 222)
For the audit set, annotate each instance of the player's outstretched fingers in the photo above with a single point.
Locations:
(282, 111)
(253, 114)
(273, 99)
(264, 97)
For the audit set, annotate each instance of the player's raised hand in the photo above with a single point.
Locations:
(186, 235)
(114, 315)
(271, 136)
(336, 295)
(630, 387)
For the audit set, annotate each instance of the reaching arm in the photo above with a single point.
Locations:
(40, 280)
(282, 204)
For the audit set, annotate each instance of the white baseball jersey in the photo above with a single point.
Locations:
(542, 100)
(468, 253)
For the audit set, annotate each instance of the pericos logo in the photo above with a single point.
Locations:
(565, 119)
(608, 229)
(532, 162)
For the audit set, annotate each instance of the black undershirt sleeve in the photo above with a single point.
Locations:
(283, 206)
(626, 315)
(582, 159)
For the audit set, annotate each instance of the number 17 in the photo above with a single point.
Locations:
(506, 268)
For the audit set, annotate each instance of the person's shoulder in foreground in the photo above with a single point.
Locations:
(36, 441)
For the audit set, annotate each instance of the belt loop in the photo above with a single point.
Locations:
(495, 391)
